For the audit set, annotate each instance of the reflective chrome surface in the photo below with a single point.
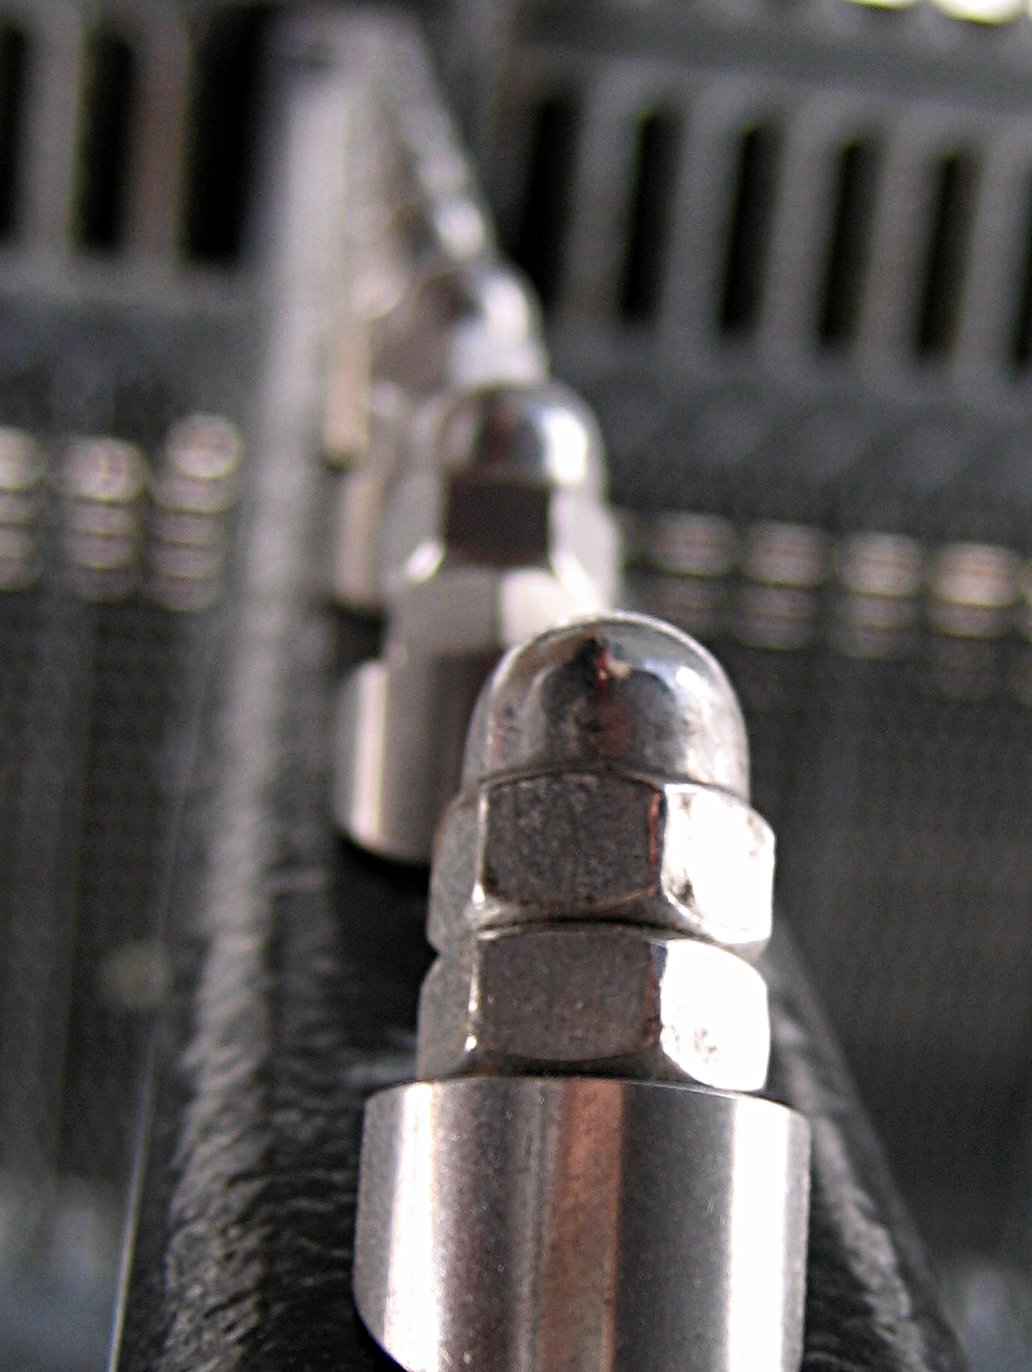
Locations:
(575, 1183)
(427, 305)
(497, 532)
(542, 433)
(614, 692)
(462, 324)
(523, 1224)
(398, 744)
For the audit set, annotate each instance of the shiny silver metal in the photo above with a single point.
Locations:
(577, 1184)
(578, 1224)
(427, 306)
(360, 497)
(194, 493)
(398, 748)
(421, 282)
(22, 474)
(103, 484)
(461, 324)
(460, 328)
(659, 702)
(498, 530)
(505, 474)
(629, 797)
(606, 997)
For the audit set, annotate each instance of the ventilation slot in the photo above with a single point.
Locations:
(1021, 344)
(659, 139)
(848, 245)
(547, 198)
(14, 60)
(223, 136)
(749, 230)
(942, 292)
(105, 148)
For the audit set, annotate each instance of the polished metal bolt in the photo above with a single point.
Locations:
(458, 329)
(194, 494)
(579, 1181)
(103, 483)
(22, 471)
(496, 531)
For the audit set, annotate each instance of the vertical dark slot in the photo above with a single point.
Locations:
(749, 230)
(1021, 343)
(106, 141)
(223, 135)
(848, 244)
(545, 211)
(14, 60)
(659, 138)
(942, 289)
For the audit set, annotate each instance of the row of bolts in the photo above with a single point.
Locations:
(470, 510)
(122, 527)
(114, 504)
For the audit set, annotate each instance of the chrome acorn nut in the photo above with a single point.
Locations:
(577, 1181)
(462, 326)
(498, 530)
(632, 797)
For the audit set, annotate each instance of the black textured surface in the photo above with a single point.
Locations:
(871, 1300)
(309, 1006)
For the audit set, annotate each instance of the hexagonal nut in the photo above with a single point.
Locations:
(597, 844)
(505, 476)
(533, 541)
(606, 1000)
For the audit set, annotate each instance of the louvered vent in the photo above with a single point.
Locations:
(801, 225)
(124, 133)
(14, 55)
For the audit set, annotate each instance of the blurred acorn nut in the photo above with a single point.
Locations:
(460, 328)
(498, 531)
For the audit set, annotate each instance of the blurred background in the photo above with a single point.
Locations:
(785, 249)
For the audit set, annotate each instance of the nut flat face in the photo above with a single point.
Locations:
(571, 843)
(609, 999)
(503, 527)
(717, 867)
(563, 846)
(496, 522)
(586, 551)
(473, 611)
